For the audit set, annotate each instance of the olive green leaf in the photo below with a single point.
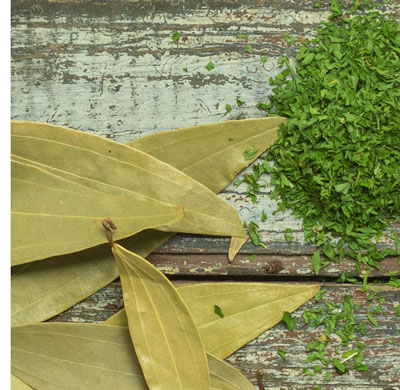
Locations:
(51, 215)
(249, 310)
(67, 356)
(17, 384)
(205, 153)
(225, 377)
(44, 290)
(117, 170)
(164, 335)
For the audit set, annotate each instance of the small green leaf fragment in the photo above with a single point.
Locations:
(263, 216)
(319, 294)
(250, 152)
(372, 319)
(210, 66)
(263, 59)
(249, 49)
(175, 36)
(218, 311)
(252, 257)
(242, 36)
(282, 353)
(289, 320)
(339, 365)
(316, 262)
(240, 102)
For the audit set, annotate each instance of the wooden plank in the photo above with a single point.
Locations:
(382, 356)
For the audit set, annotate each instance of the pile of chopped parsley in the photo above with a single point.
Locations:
(337, 161)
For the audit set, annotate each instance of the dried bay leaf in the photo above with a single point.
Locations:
(163, 332)
(37, 295)
(120, 170)
(67, 356)
(249, 310)
(206, 153)
(225, 377)
(51, 215)
(17, 384)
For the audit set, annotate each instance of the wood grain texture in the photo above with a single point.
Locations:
(381, 355)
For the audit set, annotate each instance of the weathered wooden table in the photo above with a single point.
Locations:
(111, 68)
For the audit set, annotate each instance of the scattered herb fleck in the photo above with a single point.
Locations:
(240, 102)
(250, 153)
(249, 49)
(210, 66)
(175, 36)
(218, 311)
(289, 320)
(263, 59)
(263, 216)
(282, 353)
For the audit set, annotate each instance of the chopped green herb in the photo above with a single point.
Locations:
(230, 139)
(339, 366)
(228, 109)
(330, 167)
(328, 376)
(263, 216)
(175, 36)
(288, 235)
(250, 153)
(218, 311)
(240, 102)
(262, 106)
(290, 39)
(185, 69)
(249, 49)
(289, 320)
(372, 319)
(394, 279)
(366, 286)
(253, 233)
(319, 294)
(317, 5)
(210, 66)
(252, 257)
(242, 36)
(397, 311)
(316, 262)
(264, 59)
(282, 353)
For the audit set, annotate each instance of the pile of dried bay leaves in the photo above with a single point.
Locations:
(74, 194)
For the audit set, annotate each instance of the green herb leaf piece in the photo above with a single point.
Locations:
(249, 49)
(218, 311)
(372, 319)
(263, 216)
(210, 66)
(282, 353)
(339, 366)
(289, 320)
(316, 262)
(175, 36)
(250, 153)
